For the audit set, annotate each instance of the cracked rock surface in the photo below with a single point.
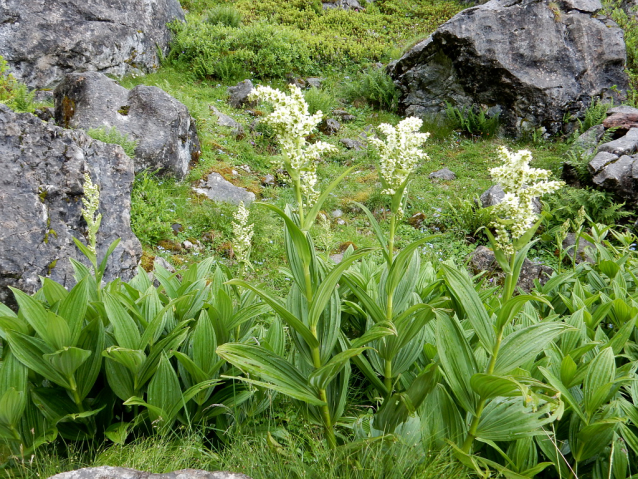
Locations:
(43, 170)
(535, 61)
(44, 39)
(108, 472)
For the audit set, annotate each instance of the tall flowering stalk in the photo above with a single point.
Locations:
(91, 202)
(292, 123)
(516, 220)
(400, 155)
(242, 237)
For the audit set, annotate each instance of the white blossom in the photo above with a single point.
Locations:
(521, 185)
(91, 202)
(242, 235)
(400, 152)
(292, 123)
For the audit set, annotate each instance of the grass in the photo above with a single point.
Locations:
(259, 457)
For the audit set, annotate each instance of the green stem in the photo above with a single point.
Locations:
(325, 410)
(76, 396)
(471, 435)
(299, 202)
(393, 227)
(510, 281)
(387, 376)
(308, 281)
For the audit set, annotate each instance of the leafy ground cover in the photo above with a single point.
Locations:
(269, 371)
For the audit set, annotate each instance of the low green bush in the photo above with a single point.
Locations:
(319, 100)
(375, 87)
(224, 15)
(259, 50)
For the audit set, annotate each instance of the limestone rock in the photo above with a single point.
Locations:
(45, 39)
(601, 160)
(108, 472)
(41, 189)
(625, 145)
(329, 127)
(622, 121)
(584, 248)
(588, 140)
(620, 177)
(238, 94)
(483, 259)
(225, 120)
(162, 126)
(218, 189)
(352, 144)
(343, 4)
(492, 196)
(533, 59)
(443, 174)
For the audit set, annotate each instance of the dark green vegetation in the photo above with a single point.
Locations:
(281, 372)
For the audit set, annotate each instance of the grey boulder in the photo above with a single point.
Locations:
(537, 61)
(45, 39)
(620, 177)
(108, 472)
(162, 126)
(492, 196)
(43, 169)
(238, 94)
(443, 174)
(216, 188)
(625, 145)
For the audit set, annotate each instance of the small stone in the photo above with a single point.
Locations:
(443, 174)
(337, 214)
(622, 109)
(337, 258)
(492, 196)
(45, 113)
(344, 115)
(159, 261)
(329, 127)
(587, 6)
(341, 221)
(314, 82)
(225, 120)
(234, 172)
(238, 95)
(298, 82)
(268, 180)
(188, 245)
(351, 144)
(416, 220)
(170, 245)
(177, 228)
(218, 189)
(583, 248)
(601, 160)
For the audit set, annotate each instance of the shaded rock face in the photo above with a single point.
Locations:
(162, 126)
(40, 203)
(483, 259)
(216, 188)
(534, 60)
(44, 39)
(108, 472)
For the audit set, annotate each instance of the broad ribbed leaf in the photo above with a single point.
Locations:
(29, 351)
(488, 386)
(164, 390)
(296, 235)
(321, 377)
(377, 230)
(598, 381)
(513, 306)
(12, 404)
(204, 344)
(509, 420)
(565, 394)
(369, 305)
(125, 330)
(58, 332)
(67, 360)
(132, 359)
(120, 379)
(193, 369)
(595, 438)
(73, 309)
(463, 290)
(53, 292)
(457, 360)
(280, 374)
(525, 344)
(288, 317)
(91, 339)
(33, 311)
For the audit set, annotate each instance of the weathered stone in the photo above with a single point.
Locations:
(43, 169)
(45, 113)
(623, 122)
(622, 109)
(108, 472)
(268, 180)
(159, 261)
(589, 139)
(225, 120)
(218, 189)
(314, 82)
(620, 177)
(343, 4)
(337, 257)
(238, 95)
(44, 40)
(492, 196)
(584, 248)
(483, 259)
(587, 6)
(601, 160)
(625, 145)
(162, 126)
(337, 213)
(344, 115)
(329, 127)
(443, 174)
(352, 144)
(534, 61)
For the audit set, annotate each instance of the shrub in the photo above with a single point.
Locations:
(375, 87)
(14, 94)
(594, 115)
(111, 135)
(466, 217)
(224, 15)
(474, 121)
(319, 100)
(261, 50)
(599, 206)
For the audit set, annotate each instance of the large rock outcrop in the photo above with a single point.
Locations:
(44, 39)
(535, 61)
(162, 126)
(41, 189)
(109, 472)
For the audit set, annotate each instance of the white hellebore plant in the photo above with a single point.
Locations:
(242, 235)
(292, 124)
(400, 153)
(91, 202)
(521, 185)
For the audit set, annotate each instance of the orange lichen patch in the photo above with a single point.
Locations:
(147, 261)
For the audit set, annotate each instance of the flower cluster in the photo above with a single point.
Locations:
(521, 185)
(291, 123)
(91, 202)
(242, 234)
(400, 152)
